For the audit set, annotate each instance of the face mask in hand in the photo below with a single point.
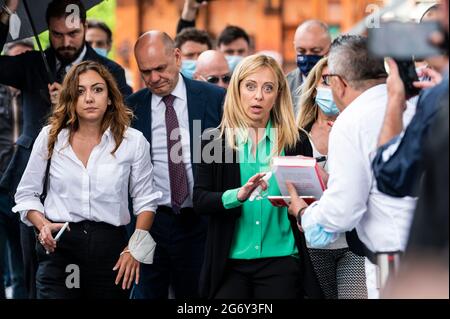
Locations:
(317, 237)
(188, 68)
(324, 99)
(307, 62)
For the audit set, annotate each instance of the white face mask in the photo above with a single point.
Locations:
(14, 26)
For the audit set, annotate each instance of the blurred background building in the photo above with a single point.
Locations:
(270, 23)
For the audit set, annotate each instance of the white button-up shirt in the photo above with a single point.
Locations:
(78, 60)
(98, 192)
(352, 198)
(159, 143)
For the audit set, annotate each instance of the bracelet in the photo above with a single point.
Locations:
(125, 252)
(300, 213)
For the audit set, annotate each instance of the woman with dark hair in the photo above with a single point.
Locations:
(90, 160)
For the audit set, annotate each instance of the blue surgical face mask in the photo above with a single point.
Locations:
(101, 51)
(188, 68)
(306, 62)
(324, 99)
(233, 61)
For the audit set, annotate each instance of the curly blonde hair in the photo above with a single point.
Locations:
(117, 116)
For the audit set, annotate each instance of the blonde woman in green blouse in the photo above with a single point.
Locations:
(253, 249)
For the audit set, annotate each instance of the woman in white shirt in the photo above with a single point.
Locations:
(340, 272)
(90, 160)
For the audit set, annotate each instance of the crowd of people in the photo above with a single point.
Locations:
(156, 187)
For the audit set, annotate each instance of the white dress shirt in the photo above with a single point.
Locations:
(341, 242)
(78, 60)
(159, 143)
(98, 192)
(352, 198)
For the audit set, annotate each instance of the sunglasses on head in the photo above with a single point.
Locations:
(215, 79)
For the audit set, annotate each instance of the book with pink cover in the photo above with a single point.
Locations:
(302, 172)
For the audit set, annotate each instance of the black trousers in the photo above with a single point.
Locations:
(267, 278)
(30, 264)
(81, 266)
(180, 244)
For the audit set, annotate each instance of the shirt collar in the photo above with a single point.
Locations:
(268, 134)
(77, 60)
(63, 138)
(366, 97)
(179, 91)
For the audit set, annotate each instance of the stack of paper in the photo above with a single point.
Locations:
(302, 172)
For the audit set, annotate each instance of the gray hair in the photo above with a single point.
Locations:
(350, 58)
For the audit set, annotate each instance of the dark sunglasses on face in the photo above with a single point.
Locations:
(215, 79)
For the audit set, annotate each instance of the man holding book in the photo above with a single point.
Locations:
(352, 199)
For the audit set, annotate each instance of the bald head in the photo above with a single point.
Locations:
(155, 39)
(312, 38)
(159, 62)
(212, 65)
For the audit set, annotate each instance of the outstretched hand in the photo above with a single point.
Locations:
(191, 8)
(255, 181)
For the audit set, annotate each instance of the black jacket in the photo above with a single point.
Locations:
(8, 123)
(211, 181)
(27, 73)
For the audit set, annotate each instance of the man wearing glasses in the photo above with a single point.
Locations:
(212, 67)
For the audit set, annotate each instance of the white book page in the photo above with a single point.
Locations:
(305, 180)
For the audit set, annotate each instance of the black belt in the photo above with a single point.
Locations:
(88, 224)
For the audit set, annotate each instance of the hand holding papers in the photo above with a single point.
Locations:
(301, 172)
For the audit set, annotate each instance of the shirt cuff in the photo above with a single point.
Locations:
(24, 208)
(391, 148)
(315, 234)
(145, 204)
(230, 200)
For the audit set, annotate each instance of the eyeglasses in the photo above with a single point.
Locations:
(216, 79)
(327, 78)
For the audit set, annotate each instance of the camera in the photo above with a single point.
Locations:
(403, 40)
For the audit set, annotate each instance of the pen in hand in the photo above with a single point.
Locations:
(59, 234)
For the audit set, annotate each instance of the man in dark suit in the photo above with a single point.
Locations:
(27, 73)
(172, 112)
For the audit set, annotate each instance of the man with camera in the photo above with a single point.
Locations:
(398, 164)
